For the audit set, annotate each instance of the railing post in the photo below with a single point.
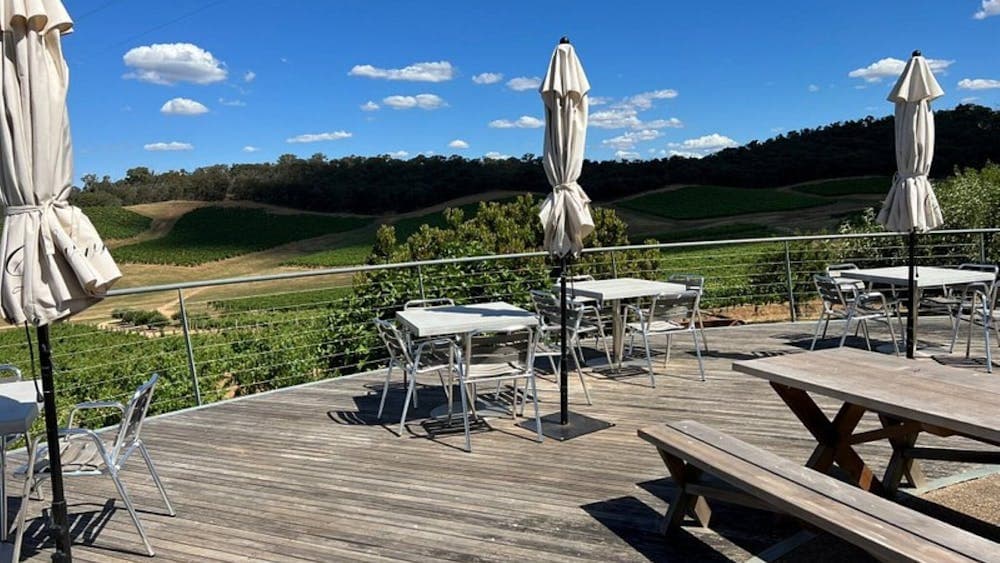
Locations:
(420, 280)
(190, 351)
(791, 284)
(982, 248)
(614, 265)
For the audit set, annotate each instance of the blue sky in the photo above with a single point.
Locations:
(189, 83)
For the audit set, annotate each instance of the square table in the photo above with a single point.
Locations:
(927, 277)
(908, 396)
(613, 291)
(18, 410)
(464, 320)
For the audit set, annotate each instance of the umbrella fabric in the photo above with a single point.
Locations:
(911, 203)
(54, 262)
(565, 214)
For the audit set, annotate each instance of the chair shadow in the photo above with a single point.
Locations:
(85, 527)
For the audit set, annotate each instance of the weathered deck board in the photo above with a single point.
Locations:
(307, 474)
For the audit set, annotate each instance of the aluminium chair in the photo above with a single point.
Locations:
(12, 551)
(424, 357)
(503, 356)
(667, 314)
(549, 311)
(17, 419)
(845, 302)
(595, 314)
(973, 303)
(85, 453)
(694, 282)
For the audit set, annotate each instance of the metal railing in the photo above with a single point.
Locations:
(235, 336)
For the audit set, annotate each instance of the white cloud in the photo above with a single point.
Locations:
(598, 100)
(171, 146)
(249, 75)
(672, 123)
(523, 122)
(627, 155)
(978, 84)
(183, 106)
(234, 103)
(440, 71)
(813, 88)
(170, 63)
(399, 154)
(989, 8)
(891, 68)
(522, 83)
(458, 144)
(630, 139)
(970, 99)
(644, 100)
(487, 78)
(369, 106)
(494, 155)
(422, 101)
(615, 119)
(315, 137)
(250, 148)
(701, 146)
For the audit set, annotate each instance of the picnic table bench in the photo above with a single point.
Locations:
(889, 531)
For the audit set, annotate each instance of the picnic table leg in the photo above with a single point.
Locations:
(833, 437)
(683, 501)
(900, 465)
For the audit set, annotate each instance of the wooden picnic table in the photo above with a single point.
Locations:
(908, 396)
(612, 292)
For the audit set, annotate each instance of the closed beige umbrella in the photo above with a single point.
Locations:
(911, 205)
(54, 263)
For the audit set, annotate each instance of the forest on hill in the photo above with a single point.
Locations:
(967, 136)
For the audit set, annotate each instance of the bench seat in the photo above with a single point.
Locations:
(887, 530)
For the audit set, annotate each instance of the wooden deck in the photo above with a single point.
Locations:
(308, 474)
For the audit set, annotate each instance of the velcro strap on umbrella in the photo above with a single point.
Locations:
(45, 210)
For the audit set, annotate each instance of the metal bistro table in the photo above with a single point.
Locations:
(927, 277)
(18, 409)
(613, 291)
(464, 321)
(908, 396)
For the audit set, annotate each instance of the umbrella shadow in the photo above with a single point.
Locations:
(86, 522)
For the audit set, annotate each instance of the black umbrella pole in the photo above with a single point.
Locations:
(60, 527)
(912, 304)
(563, 372)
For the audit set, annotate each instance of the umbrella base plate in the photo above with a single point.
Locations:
(576, 426)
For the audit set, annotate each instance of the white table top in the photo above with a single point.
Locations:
(461, 319)
(621, 288)
(18, 406)
(927, 276)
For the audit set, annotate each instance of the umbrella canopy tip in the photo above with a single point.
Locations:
(564, 40)
(916, 53)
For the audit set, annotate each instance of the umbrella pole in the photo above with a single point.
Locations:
(563, 372)
(60, 527)
(912, 304)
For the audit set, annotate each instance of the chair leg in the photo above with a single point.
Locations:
(670, 344)
(385, 389)
(465, 414)
(538, 416)
(122, 492)
(649, 359)
(156, 477)
(604, 341)
(863, 324)
(819, 323)
(697, 351)
(406, 404)
(892, 333)
(583, 380)
(847, 327)
(701, 327)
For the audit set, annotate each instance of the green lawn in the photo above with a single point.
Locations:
(705, 202)
(216, 233)
(834, 188)
(731, 231)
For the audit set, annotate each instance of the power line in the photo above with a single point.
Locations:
(162, 25)
(95, 10)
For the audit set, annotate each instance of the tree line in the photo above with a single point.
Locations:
(967, 136)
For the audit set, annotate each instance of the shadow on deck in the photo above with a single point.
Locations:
(308, 473)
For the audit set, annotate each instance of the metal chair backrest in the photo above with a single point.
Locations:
(428, 303)
(132, 419)
(674, 306)
(395, 342)
(513, 346)
(831, 292)
(550, 311)
(16, 373)
(834, 270)
(690, 281)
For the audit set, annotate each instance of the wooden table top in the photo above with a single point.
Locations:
(919, 390)
(927, 276)
(461, 319)
(621, 288)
